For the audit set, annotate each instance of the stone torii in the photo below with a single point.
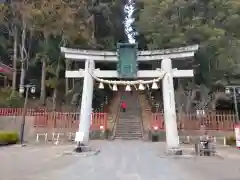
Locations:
(166, 56)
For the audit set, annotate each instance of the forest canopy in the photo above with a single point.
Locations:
(32, 32)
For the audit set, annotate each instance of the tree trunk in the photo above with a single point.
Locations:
(56, 88)
(43, 79)
(216, 97)
(14, 75)
(73, 79)
(93, 30)
(29, 49)
(22, 51)
(66, 79)
(5, 81)
(190, 98)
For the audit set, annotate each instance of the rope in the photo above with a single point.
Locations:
(110, 82)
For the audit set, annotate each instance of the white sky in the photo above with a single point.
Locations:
(129, 9)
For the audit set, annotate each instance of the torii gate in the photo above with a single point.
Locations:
(166, 73)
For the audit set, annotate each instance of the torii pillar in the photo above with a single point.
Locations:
(170, 117)
(86, 104)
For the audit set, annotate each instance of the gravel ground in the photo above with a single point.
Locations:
(118, 160)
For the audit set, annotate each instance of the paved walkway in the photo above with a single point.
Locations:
(118, 160)
(229, 152)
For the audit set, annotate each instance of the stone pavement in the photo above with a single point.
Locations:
(225, 152)
(229, 152)
(118, 160)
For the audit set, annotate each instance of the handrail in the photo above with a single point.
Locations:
(140, 112)
(116, 119)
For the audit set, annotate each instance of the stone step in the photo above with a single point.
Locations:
(137, 117)
(128, 121)
(128, 131)
(137, 124)
(130, 117)
(124, 131)
(128, 134)
(129, 114)
(129, 126)
(145, 111)
(126, 127)
(128, 138)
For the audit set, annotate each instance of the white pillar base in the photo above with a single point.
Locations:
(174, 151)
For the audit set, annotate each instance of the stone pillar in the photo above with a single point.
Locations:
(86, 104)
(169, 106)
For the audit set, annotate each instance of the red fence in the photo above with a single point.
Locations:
(63, 120)
(59, 120)
(19, 111)
(211, 121)
(43, 118)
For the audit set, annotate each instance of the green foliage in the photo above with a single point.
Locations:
(231, 141)
(212, 24)
(50, 25)
(100, 134)
(7, 137)
(156, 135)
(9, 98)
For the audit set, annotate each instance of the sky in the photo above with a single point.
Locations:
(129, 9)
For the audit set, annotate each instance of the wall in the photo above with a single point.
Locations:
(13, 123)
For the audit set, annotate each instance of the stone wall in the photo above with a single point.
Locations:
(13, 123)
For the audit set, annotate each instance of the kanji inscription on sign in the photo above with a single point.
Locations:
(127, 61)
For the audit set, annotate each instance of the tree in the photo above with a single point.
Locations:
(44, 19)
(185, 97)
(9, 28)
(212, 24)
(37, 34)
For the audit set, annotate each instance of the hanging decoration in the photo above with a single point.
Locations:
(113, 83)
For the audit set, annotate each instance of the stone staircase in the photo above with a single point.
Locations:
(113, 110)
(145, 112)
(129, 125)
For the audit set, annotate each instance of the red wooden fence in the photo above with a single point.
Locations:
(60, 120)
(68, 120)
(211, 121)
(19, 111)
(43, 118)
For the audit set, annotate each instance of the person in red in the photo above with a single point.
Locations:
(123, 106)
